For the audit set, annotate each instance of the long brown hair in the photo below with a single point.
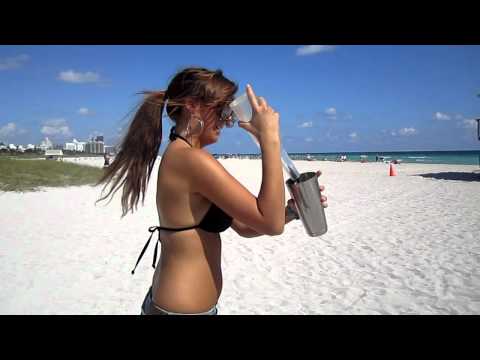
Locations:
(139, 149)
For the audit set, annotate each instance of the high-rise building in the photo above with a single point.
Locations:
(95, 147)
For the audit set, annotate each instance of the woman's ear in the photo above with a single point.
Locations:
(192, 107)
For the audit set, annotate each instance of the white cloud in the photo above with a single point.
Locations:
(13, 62)
(309, 139)
(353, 135)
(469, 123)
(313, 49)
(84, 111)
(459, 117)
(407, 131)
(78, 77)
(441, 116)
(8, 130)
(56, 127)
(331, 111)
(307, 124)
(393, 133)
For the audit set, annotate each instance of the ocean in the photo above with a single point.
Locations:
(470, 157)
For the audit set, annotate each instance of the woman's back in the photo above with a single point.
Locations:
(190, 262)
(177, 205)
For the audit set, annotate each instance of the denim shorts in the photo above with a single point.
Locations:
(150, 308)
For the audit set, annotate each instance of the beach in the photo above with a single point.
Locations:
(405, 244)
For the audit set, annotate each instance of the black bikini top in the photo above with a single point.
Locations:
(214, 221)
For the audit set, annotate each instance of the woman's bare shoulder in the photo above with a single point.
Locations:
(200, 158)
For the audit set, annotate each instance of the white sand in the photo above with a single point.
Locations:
(395, 245)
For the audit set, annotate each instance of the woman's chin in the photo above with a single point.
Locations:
(211, 139)
(216, 135)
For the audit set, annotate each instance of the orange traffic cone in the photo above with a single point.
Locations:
(393, 172)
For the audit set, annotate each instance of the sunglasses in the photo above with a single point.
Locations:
(227, 117)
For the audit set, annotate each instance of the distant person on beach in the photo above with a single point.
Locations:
(196, 197)
(106, 159)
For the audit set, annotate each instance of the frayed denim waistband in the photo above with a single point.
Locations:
(150, 308)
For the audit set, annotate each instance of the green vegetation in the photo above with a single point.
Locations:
(41, 154)
(28, 175)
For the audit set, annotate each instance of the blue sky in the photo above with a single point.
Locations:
(330, 98)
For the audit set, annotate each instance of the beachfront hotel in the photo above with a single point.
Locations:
(75, 145)
(96, 146)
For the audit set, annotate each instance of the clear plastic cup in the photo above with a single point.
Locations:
(243, 111)
(242, 108)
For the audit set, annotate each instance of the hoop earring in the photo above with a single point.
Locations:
(199, 120)
(187, 133)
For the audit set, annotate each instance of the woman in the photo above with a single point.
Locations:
(196, 197)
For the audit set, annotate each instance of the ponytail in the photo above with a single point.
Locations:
(134, 163)
(132, 167)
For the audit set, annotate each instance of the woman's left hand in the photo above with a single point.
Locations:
(323, 199)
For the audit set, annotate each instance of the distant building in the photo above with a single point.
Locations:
(80, 146)
(110, 149)
(30, 147)
(12, 147)
(99, 138)
(69, 146)
(46, 144)
(95, 147)
(75, 145)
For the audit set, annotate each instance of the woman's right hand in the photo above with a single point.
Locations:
(265, 120)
